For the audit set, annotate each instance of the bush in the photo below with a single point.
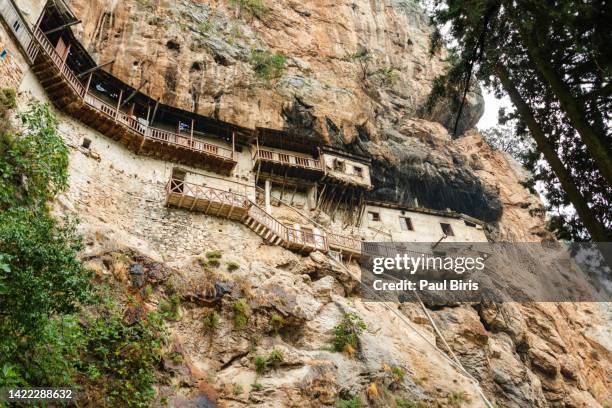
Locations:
(268, 65)
(169, 308)
(457, 398)
(398, 373)
(256, 8)
(354, 402)
(240, 314)
(8, 98)
(232, 266)
(211, 321)
(122, 358)
(277, 322)
(216, 254)
(257, 387)
(261, 364)
(348, 331)
(275, 358)
(42, 282)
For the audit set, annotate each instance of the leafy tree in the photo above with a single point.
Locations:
(552, 61)
(41, 280)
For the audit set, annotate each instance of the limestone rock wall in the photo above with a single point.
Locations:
(356, 74)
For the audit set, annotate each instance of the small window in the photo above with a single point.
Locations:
(358, 171)
(469, 223)
(373, 216)
(339, 165)
(86, 143)
(447, 230)
(16, 26)
(406, 224)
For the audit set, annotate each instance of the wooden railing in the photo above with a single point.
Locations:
(59, 62)
(287, 159)
(274, 225)
(123, 118)
(207, 193)
(19, 27)
(301, 237)
(344, 242)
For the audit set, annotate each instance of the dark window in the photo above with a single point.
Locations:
(469, 223)
(447, 230)
(339, 165)
(16, 26)
(373, 216)
(358, 171)
(406, 224)
(86, 143)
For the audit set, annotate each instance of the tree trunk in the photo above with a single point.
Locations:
(595, 228)
(593, 136)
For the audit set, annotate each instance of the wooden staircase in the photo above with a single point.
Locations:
(238, 207)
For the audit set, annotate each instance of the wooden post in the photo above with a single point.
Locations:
(155, 111)
(191, 137)
(233, 143)
(118, 103)
(148, 113)
(65, 57)
(88, 85)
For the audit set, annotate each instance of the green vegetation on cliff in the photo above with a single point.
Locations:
(55, 329)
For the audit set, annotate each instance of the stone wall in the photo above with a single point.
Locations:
(12, 62)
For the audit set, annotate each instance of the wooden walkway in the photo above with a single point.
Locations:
(69, 94)
(236, 206)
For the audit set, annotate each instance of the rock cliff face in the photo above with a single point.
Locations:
(355, 73)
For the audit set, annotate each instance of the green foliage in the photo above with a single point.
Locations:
(8, 99)
(347, 332)
(238, 389)
(41, 280)
(268, 65)
(389, 74)
(169, 308)
(216, 254)
(402, 403)
(34, 164)
(398, 373)
(457, 398)
(257, 387)
(277, 322)
(256, 8)
(232, 266)
(211, 321)
(261, 364)
(214, 262)
(122, 358)
(275, 358)
(361, 54)
(354, 402)
(240, 313)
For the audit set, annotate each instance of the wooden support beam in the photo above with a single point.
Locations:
(233, 143)
(88, 85)
(154, 111)
(91, 70)
(118, 104)
(191, 135)
(72, 23)
(135, 91)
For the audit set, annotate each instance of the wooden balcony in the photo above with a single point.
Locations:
(344, 244)
(70, 95)
(287, 165)
(208, 200)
